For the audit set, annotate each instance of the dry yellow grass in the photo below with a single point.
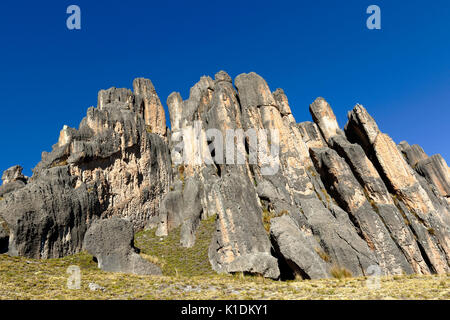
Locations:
(22, 278)
(188, 275)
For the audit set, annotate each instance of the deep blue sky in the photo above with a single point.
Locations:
(50, 75)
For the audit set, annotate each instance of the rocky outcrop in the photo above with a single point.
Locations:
(111, 242)
(298, 248)
(240, 243)
(425, 212)
(13, 180)
(181, 207)
(112, 165)
(437, 173)
(289, 198)
(344, 187)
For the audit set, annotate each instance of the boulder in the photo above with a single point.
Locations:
(111, 242)
(298, 248)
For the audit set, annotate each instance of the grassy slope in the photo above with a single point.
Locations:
(188, 275)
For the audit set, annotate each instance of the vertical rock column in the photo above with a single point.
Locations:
(427, 222)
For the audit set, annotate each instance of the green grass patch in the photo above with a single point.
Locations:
(175, 260)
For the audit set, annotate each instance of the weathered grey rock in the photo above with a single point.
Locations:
(325, 119)
(13, 180)
(48, 218)
(151, 107)
(181, 207)
(337, 236)
(175, 105)
(298, 248)
(401, 180)
(240, 231)
(436, 171)
(381, 201)
(11, 187)
(13, 174)
(343, 186)
(222, 76)
(356, 206)
(282, 102)
(114, 95)
(110, 166)
(255, 263)
(110, 241)
(413, 154)
(253, 91)
(311, 135)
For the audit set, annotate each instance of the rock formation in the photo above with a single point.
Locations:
(111, 242)
(289, 198)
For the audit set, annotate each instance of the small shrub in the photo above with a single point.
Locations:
(431, 231)
(323, 255)
(268, 216)
(339, 272)
(148, 129)
(1, 198)
(61, 163)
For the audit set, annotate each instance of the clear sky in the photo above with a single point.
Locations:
(50, 75)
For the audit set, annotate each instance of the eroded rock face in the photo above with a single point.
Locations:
(299, 248)
(110, 166)
(297, 198)
(424, 208)
(13, 179)
(48, 218)
(343, 186)
(150, 106)
(240, 231)
(436, 171)
(110, 241)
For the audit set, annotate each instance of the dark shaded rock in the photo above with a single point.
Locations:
(343, 186)
(110, 241)
(436, 171)
(4, 238)
(381, 201)
(48, 218)
(338, 238)
(413, 154)
(311, 134)
(402, 181)
(298, 248)
(181, 207)
(282, 102)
